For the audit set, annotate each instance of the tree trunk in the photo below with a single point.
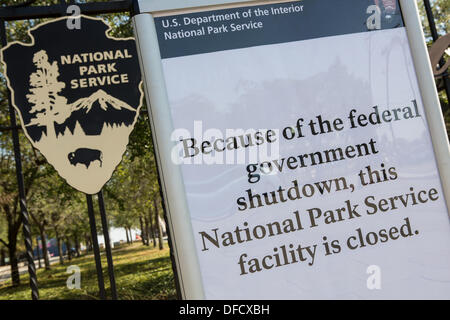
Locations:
(60, 251)
(131, 235)
(142, 230)
(151, 234)
(128, 238)
(147, 232)
(160, 235)
(13, 230)
(69, 247)
(38, 251)
(44, 248)
(15, 276)
(77, 245)
(50, 130)
(152, 229)
(88, 243)
(2, 257)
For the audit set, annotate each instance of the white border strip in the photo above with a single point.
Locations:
(428, 92)
(178, 217)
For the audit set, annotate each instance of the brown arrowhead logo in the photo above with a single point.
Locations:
(78, 93)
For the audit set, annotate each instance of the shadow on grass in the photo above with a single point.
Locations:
(141, 273)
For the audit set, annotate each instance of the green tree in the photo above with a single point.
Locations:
(441, 12)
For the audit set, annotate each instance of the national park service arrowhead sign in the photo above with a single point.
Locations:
(78, 93)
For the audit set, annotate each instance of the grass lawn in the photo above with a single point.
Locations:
(141, 273)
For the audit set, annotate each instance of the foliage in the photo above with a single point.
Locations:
(441, 12)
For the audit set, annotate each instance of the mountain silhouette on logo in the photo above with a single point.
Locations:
(96, 111)
(103, 99)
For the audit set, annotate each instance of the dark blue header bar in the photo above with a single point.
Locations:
(218, 30)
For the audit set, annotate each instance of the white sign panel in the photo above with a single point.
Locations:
(306, 161)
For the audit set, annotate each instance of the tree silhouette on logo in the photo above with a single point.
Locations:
(48, 106)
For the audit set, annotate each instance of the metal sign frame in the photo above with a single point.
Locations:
(172, 183)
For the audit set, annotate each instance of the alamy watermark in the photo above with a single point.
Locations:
(374, 280)
(74, 21)
(74, 280)
(229, 146)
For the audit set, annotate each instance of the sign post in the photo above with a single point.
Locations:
(95, 247)
(105, 228)
(21, 186)
(301, 148)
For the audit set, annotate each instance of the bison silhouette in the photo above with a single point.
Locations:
(85, 156)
